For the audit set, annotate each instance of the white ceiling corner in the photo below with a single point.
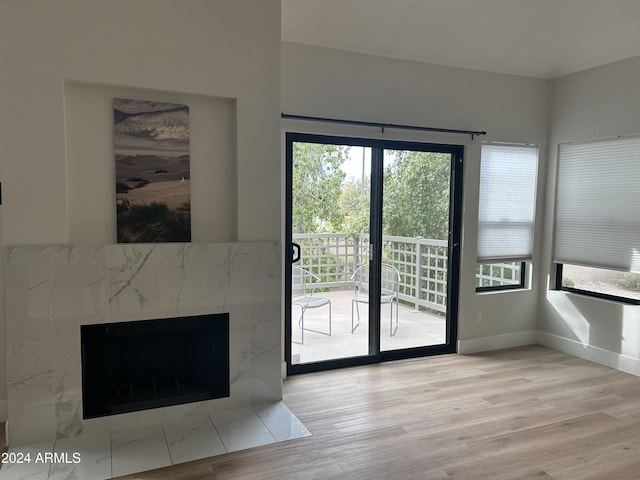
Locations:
(535, 38)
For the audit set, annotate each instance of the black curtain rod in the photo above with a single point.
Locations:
(383, 125)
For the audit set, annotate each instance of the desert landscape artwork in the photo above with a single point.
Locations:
(153, 193)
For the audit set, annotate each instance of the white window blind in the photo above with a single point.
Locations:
(507, 202)
(597, 219)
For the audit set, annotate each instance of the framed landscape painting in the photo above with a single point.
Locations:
(153, 192)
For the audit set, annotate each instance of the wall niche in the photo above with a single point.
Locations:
(89, 136)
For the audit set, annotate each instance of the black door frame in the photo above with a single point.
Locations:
(453, 268)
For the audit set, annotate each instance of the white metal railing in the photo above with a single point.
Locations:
(331, 256)
(498, 274)
(422, 264)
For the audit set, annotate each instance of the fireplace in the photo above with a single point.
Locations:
(52, 291)
(138, 365)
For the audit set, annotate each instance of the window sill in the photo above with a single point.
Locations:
(599, 297)
(503, 291)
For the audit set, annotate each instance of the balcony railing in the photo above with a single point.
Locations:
(422, 264)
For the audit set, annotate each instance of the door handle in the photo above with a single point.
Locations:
(295, 252)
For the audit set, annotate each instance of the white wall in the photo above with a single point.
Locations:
(216, 49)
(212, 48)
(597, 103)
(331, 83)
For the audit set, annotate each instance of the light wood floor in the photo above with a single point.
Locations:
(520, 413)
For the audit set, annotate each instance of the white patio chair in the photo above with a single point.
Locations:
(390, 283)
(302, 288)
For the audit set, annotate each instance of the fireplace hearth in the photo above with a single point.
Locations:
(138, 365)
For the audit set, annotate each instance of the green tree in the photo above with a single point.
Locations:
(317, 180)
(416, 195)
(354, 204)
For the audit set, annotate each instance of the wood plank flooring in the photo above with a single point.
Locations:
(521, 413)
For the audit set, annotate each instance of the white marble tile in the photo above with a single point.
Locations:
(218, 274)
(96, 425)
(265, 258)
(164, 279)
(141, 418)
(84, 457)
(67, 365)
(182, 276)
(215, 405)
(28, 295)
(240, 354)
(266, 347)
(79, 289)
(241, 428)
(177, 412)
(192, 438)
(265, 336)
(138, 449)
(30, 391)
(100, 455)
(35, 468)
(133, 278)
(241, 273)
(281, 422)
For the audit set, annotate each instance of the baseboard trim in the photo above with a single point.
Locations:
(496, 342)
(618, 361)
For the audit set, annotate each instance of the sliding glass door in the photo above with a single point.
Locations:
(329, 219)
(415, 223)
(375, 226)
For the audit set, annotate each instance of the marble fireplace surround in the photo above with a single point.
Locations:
(51, 290)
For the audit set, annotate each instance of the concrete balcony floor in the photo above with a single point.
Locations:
(415, 328)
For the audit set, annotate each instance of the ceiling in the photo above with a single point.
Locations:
(535, 38)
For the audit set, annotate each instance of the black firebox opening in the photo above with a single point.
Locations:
(131, 366)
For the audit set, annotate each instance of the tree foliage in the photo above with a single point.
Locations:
(317, 180)
(416, 195)
(354, 204)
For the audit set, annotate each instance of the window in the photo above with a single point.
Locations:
(506, 212)
(597, 219)
(599, 282)
(500, 276)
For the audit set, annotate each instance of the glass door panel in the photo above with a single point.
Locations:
(330, 211)
(415, 220)
(378, 228)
